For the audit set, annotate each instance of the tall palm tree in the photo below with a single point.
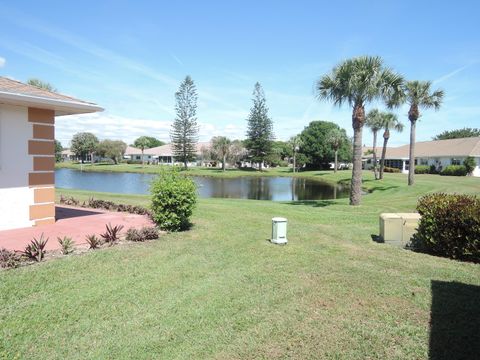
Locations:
(336, 138)
(359, 81)
(417, 94)
(295, 142)
(142, 143)
(374, 122)
(389, 121)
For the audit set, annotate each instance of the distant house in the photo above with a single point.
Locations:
(27, 151)
(439, 153)
(164, 154)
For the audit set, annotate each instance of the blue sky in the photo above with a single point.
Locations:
(130, 56)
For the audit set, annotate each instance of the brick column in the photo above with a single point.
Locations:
(42, 178)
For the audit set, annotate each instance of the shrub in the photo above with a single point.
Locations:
(469, 164)
(173, 199)
(9, 259)
(111, 235)
(422, 169)
(454, 170)
(66, 245)
(93, 241)
(134, 234)
(449, 227)
(36, 249)
(433, 169)
(391, 170)
(150, 232)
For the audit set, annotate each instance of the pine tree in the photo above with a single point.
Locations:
(184, 132)
(260, 128)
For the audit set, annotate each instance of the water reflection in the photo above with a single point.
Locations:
(259, 188)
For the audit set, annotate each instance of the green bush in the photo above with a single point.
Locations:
(454, 170)
(391, 170)
(469, 164)
(173, 198)
(422, 169)
(449, 227)
(433, 169)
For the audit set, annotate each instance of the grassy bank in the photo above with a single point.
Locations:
(223, 291)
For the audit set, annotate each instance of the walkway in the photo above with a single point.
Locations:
(73, 222)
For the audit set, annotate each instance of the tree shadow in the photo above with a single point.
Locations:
(454, 321)
(312, 203)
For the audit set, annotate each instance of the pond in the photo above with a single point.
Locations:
(259, 188)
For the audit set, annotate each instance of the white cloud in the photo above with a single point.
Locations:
(2, 61)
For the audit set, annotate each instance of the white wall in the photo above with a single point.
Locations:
(15, 164)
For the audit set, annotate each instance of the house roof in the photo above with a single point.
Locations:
(164, 150)
(17, 93)
(438, 148)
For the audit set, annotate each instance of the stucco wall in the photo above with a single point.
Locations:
(15, 164)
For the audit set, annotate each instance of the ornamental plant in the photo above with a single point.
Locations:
(173, 199)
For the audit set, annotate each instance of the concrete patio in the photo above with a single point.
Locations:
(73, 222)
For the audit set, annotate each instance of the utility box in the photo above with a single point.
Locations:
(279, 230)
(398, 228)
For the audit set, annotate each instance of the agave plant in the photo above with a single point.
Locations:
(66, 244)
(111, 235)
(36, 249)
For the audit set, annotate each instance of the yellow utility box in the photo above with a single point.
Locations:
(398, 228)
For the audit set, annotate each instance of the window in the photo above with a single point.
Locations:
(398, 164)
(456, 162)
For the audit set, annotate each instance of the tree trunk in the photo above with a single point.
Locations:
(294, 161)
(358, 119)
(386, 136)
(223, 162)
(91, 158)
(143, 158)
(411, 158)
(260, 164)
(336, 162)
(375, 155)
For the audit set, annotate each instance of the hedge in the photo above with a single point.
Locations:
(454, 170)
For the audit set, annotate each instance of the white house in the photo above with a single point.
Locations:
(27, 151)
(163, 154)
(439, 153)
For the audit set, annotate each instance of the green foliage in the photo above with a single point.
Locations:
(260, 136)
(391, 170)
(58, 151)
(316, 146)
(66, 245)
(111, 234)
(147, 142)
(454, 170)
(221, 149)
(93, 241)
(112, 149)
(44, 85)
(450, 226)
(433, 169)
(9, 259)
(173, 198)
(457, 134)
(36, 249)
(135, 235)
(422, 169)
(184, 132)
(469, 164)
(83, 143)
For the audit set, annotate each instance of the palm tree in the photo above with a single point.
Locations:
(142, 143)
(374, 122)
(335, 138)
(417, 94)
(221, 146)
(389, 121)
(295, 142)
(359, 81)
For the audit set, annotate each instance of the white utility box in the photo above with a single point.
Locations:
(279, 230)
(398, 228)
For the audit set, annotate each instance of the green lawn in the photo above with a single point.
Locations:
(223, 291)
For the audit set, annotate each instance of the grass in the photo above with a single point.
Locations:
(223, 291)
